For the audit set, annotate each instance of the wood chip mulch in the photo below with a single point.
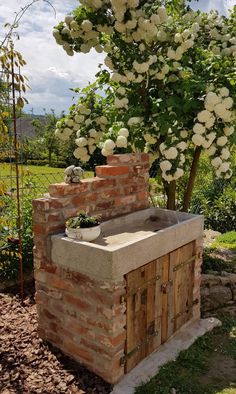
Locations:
(29, 365)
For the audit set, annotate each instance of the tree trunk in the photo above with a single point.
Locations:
(191, 180)
(171, 195)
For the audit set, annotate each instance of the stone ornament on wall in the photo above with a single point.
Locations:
(73, 174)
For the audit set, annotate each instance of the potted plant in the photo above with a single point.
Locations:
(83, 227)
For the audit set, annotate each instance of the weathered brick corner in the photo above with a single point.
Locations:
(82, 315)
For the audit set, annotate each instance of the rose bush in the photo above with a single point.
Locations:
(167, 87)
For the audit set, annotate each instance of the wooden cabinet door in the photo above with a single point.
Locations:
(143, 313)
(181, 275)
(159, 301)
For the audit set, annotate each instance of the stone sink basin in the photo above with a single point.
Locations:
(127, 242)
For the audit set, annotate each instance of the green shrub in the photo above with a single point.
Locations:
(227, 241)
(9, 248)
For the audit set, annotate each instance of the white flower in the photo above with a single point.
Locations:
(69, 122)
(81, 141)
(224, 92)
(225, 154)
(124, 132)
(121, 142)
(91, 149)
(91, 141)
(184, 134)
(229, 174)
(86, 25)
(168, 178)
(224, 167)
(109, 145)
(216, 162)
(103, 120)
(211, 150)
(68, 19)
(79, 118)
(228, 130)
(228, 102)
(121, 103)
(210, 123)
(220, 110)
(171, 54)
(198, 128)
(79, 152)
(221, 141)
(162, 14)
(121, 91)
(198, 139)
(204, 116)
(134, 121)
(182, 146)
(106, 152)
(165, 165)
(178, 38)
(212, 98)
(85, 48)
(178, 173)
(171, 153)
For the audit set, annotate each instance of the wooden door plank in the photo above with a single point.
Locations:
(182, 285)
(164, 264)
(137, 306)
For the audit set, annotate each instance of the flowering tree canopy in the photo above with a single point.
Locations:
(168, 85)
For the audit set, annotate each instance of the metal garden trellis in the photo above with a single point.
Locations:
(12, 151)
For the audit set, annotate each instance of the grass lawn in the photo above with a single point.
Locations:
(207, 367)
(34, 177)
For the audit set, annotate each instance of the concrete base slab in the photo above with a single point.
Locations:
(169, 351)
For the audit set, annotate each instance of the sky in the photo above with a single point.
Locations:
(51, 72)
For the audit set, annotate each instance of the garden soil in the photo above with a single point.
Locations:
(29, 365)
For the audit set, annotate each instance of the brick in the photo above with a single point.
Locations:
(125, 200)
(78, 303)
(41, 298)
(139, 205)
(109, 193)
(75, 327)
(59, 283)
(76, 350)
(77, 278)
(54, 338)
(84, 199)
(105, 204)
(64, 189)
(58, 203)
(95, 347)
(49, 315)
(101, 183)
(143, 195)
(111, 171)
(129, 158)
(117, 341)
(40, 204)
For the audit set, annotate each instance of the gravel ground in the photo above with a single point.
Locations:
(29, 365)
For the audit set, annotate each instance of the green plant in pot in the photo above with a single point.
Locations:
(83, 227)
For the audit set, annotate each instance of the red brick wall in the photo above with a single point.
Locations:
(80, 315)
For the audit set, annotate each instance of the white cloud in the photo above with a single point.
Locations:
(221, 5)
(50, 71)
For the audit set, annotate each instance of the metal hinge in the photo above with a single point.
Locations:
(123, 360)
(139, 289)
(181, 265)
(195, 302)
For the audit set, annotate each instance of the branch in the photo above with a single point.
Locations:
(191, 180)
